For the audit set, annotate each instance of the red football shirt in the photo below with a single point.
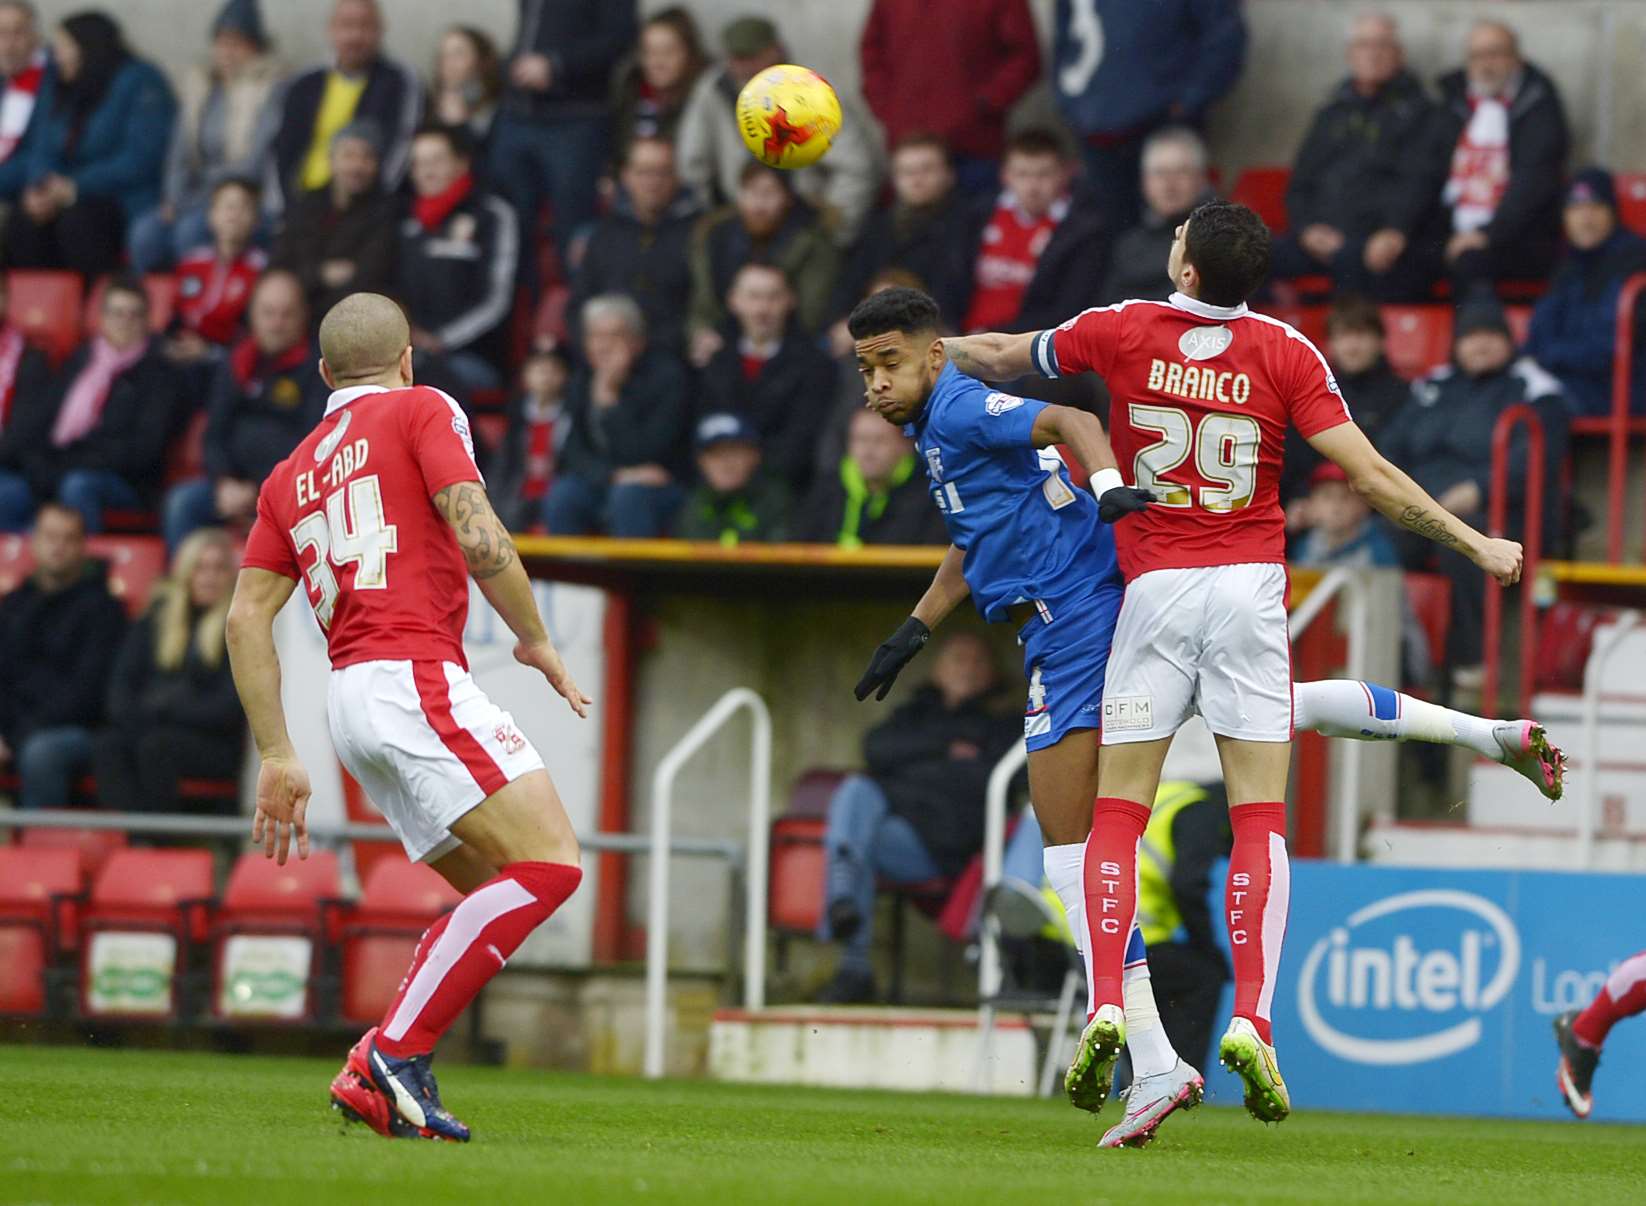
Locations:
(349, 514)
(1200, 398)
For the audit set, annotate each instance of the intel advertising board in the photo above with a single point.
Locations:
(1416, 990)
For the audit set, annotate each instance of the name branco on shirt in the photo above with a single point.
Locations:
(1197, 383)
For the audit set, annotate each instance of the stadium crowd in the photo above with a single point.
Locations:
(648, 323)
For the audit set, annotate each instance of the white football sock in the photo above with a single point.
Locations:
(1151, 1051)
(1064, 872)
(1346, 707)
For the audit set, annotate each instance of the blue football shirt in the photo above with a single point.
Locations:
(1027, 532)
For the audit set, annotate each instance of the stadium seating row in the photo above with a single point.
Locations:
(92, 930)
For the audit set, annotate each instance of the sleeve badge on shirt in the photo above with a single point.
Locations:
(998, 403)
(460, 424)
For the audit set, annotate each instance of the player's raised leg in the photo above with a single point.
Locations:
(1581, 1034)
(1346, 707)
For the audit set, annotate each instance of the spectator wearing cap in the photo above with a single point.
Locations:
(653, 85)
(629, 407)
(734, 501)
(92, 160)
(971, 68)
(219, 126)
(877, 494)
(522, 469)
(361, 81)
(1374, 391)
(1340, 530)
(1355, 168)
(1121, 70)
(641, 247)
(1574, 325)
(841, 187)
(264, 397)
(1443, 438)
(1044, 248)
(25, 412)
(771, 374)
(549, 140)
(342, 237)
(24, 65)
(1175, 180)
(927, 230)
(767, 223)
(459, 248)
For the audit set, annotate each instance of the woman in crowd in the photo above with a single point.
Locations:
(652, 86)
(172, 708)
(93, 157)
(467, 78)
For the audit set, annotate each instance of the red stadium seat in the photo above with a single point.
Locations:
(1430, 598)
(1309, 320)
(1418, 338)
(136, 563)
(186, 458)
(1264, 189)
(16, 561)
(550, 320)
(794, 902)
(400, 901)
(1631, 200)
(36, 891)
(93, 846)
(46, 305)
(147, 910)
(1520, 322)
(267, 935)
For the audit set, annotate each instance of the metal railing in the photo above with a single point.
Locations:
(657, 905)
(994, 855)
(1503, 433)
(1602, 648)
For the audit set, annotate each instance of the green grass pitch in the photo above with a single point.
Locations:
(85, 1126)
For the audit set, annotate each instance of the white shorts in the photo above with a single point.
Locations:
(426, 744)
(1211, 640)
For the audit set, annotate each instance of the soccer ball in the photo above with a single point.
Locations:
(788, 116)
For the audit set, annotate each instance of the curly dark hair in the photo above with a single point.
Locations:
(1229, 247)
(907, 310)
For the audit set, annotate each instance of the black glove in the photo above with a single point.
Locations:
(1120, 501)
(895, 652)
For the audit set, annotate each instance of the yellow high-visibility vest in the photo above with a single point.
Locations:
(1157, 914)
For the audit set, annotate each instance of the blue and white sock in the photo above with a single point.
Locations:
(1346, 707)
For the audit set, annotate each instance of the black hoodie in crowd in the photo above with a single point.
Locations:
(56, 651)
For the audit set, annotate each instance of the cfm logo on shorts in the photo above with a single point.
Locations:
(1406, 979)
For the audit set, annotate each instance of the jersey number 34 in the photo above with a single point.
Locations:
(353, 530)
(1225, 451)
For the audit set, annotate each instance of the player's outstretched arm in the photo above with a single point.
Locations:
(1392, 492)
(947, 591)
(282, 783)
(489, 550)
(1085, 437)
(992, 357)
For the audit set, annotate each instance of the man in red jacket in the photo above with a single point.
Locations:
(972, 67)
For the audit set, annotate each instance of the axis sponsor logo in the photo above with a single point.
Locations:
(1406, 979)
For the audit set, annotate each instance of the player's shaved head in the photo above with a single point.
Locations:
(363, 336)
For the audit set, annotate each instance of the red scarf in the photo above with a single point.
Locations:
(11, 354)
(542, 442)
(247, 358)
(432, 212)
(17, 103)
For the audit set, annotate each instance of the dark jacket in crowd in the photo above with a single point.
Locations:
(1356, 163)
(1146, 60)
(721, 245)
(758, 512)
(647, 425)
(932, 242)
(840, 509)
(788, 402)
(315, 232)
(1137, 263)
(649, 263)
(1069, 273)
(393, 98)
(27, 422)
(260, 407)
(457, 280)
(118, 150)
(1528, 217)
(911, 756)
(142, 413)
(1374, 397)
(1574, 325)
(55, 651)
(584, 40)
(194, 696)
(637, 112)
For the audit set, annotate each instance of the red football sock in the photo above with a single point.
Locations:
(1255, 902)
(467, 947)
(1110, 873)
(1622, 996)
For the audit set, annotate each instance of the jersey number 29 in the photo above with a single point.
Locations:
(353, 530)
(1225, 450)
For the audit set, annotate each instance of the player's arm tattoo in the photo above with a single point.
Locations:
(961, 356)
(487, 545)
(1429, 524)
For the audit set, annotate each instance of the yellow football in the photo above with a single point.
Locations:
(788, 116)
